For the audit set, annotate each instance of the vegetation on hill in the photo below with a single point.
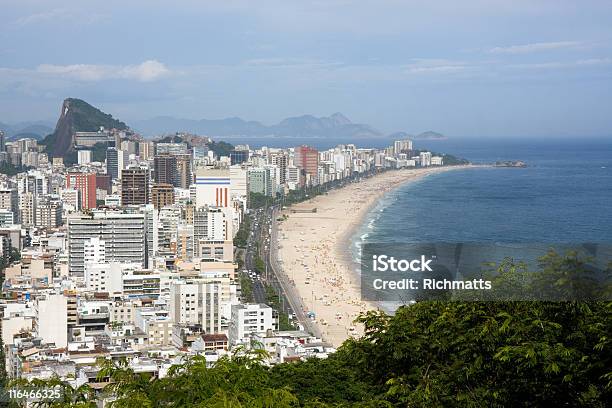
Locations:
(76, 116)
(98, 152)
(220, 148)
(87, 118)
(430, 354)
(173, 139)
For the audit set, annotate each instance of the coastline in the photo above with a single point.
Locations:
(315, 249)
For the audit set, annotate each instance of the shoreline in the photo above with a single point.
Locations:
(316, 254)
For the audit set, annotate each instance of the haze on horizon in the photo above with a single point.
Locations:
(469, 68)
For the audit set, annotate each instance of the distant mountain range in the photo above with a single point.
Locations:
(336, 125)
(429, 135)
(77, 115)
(35, 130)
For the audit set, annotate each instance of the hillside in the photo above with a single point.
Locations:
(77, 116)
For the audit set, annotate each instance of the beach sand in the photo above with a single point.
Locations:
(314, 250)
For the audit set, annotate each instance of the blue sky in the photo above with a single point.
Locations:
(481, 68)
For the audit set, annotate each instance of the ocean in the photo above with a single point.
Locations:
(563, 196)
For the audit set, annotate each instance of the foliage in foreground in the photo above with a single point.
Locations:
(431, 354)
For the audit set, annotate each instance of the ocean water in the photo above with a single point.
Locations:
(563, 196)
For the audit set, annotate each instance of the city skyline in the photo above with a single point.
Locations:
(462, 70)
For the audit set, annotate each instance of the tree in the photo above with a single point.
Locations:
(242, 236)
(430, 354)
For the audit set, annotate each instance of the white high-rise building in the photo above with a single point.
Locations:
(51, 313)
(250, 319)
(27, 209)
(124, 236)
(71, 199)
(212, 187)
(238, 182)
(94, 251)
(425, 159)
(211, 224)
(402, 146)
(84, 156)
(198, 301)
(48, 212)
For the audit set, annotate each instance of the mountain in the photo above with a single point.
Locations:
(215, 127)
(430, 135)
(77, 116)
(35, 130)
(336, 125)
(400, 136)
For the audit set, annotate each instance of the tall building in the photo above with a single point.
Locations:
(263, 180)
(116, 160)
(238, 182)
(146, 150)
(48, 212)
(307, 160)
(2, 142)
(27, 209)
(162, 195)
(51, 323)
(86, 184)
(165, 169)
(184, 173)
(71, 199)
(6, 217)
(425, 159)
(248, 319)
(212, 230)
(198, 302)
(257, 180)
(281, 160)
(84, 156)
(9, 200)
(210, 223)
(402, 146)
(167, 225)
(212, 187)
(129, 146)
(134, 186)
(239, 156)
(112, 163)
(124, 236)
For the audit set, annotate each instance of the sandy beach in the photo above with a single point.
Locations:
(314, 250)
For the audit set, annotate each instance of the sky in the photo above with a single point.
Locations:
(483, 68)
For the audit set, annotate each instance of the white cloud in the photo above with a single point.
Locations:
(74, 16)
(435, 66)
(38, 18)
(592, 62)
(535, 47)
(147, 71)
(595, 61)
